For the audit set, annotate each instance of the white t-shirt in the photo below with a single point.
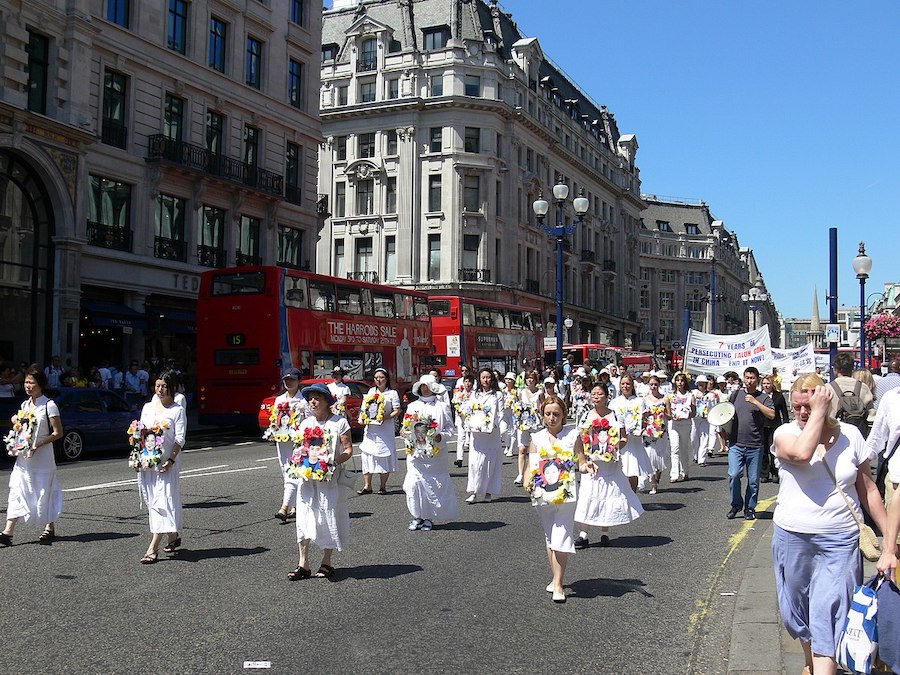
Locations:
(808, 501)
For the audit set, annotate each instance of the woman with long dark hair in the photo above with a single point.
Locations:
(379, 409)
(482, 420)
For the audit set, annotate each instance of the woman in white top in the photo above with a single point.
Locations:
(160, 488)
(654, 429)
(429, 490)
(464, 388)
(530, 397)
(629, 412)
(680, 411)
(507, 427)
(482, 421)
(379, 447)
(815, 542)
(34, 492)
(291, 409)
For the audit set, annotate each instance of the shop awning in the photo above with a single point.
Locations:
(111, 314)
(173, 320)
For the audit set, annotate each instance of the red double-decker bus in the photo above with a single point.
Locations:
(603, 355)
(482, 333)
(254, 322)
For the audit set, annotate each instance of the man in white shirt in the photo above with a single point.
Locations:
(54, 373)
(614, 378)
(463, 371)
(888, 382)
(136, 384)
(884, 436)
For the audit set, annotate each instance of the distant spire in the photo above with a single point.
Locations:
(815, 325)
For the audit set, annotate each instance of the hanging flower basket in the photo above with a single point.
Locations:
(883, 326)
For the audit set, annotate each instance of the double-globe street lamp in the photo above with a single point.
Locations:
(755, 296)
(862, 265)
(559, 232)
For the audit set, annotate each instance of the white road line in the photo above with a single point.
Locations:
(246, 443)
(215, 473)
(204, 468)
(133, 481)
(198, 449)
(267, 459)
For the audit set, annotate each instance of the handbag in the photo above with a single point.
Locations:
(883, 469)
(868, 540)
(858, 643)
(347, 478)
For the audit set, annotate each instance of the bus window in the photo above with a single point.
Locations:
(515, 319)
(421, 309)
(348, 300)
(439, 307)
(366, 301)
(243, 283)
(469, 315)
(403, 306)
(321, 296)
(529, 322)
(383, 305)
(482, 316)
(295, 292)
(236, 357)
(498, 318)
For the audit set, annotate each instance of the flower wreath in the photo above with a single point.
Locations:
(368, 400)
(310, 459)
(472, 407)
(410, 422)
(601, 440)
(145, 457)
(655, 421)
(525, 416)
(631, 414)
(278, 432)
(557, 461)
(20, 437)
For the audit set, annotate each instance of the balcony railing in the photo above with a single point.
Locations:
(532, 286)
(366, 65)
(170, 249)
(292, 194)
(210, 256)
(609, 266)
(371, 277)
(588, 256)
(469, 274)
(114, 133)
(322, 205)
(200, 159)
(243, 259)
(109, 236)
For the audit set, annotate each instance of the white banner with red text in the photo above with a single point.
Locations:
(706, 353)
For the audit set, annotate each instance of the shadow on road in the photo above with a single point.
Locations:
(474, 527)
(683, 490)
(360, 514)
(764, 515)
(607, 588)
(709, 478)
(374, 572)
(97, 536)
(214, 504)
(663, 506)
(513, 500)
(638, 541)
(196, 555)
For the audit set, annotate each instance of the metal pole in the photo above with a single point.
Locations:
(712, 298)
(559, 300)
(862, 322)
(833, 294)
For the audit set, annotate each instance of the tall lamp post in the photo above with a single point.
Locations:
(862, 265)
(755, 295)
(559, 232)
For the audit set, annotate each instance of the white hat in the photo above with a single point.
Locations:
(701, 378)
(509, 376)
(661, 374)
(647, 374)
(581, 371)
(428, 380)
(549, 380)
(605, 371)
(721, 378)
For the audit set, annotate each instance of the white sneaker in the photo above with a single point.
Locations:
(652, 491)
(416, 524)
(427, 525)
(518, 480)
(507, 453)
(471, 499)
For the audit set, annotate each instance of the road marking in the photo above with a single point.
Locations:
(246, 443)
(216, 473)
(267, 459)
(133, 481)
(198, 449)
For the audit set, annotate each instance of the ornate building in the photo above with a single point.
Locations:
(141, 143)
(443, 124)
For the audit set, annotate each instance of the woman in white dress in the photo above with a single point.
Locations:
(553, 455)
(532, 397)
(655, 427)
(429, 490)
(160, 488)
(323, 515)
(34, 492)
(680, 410)
(296, 409)
(464, 388)
(507, 427)
(605, 499)
(379, 447)
(701, 428)
(482, 413)
(629, 412)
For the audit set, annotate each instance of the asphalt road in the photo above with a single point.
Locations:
(467, 597)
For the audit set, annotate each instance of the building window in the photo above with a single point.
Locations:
(169, 242)
(218, 31)
(340, 148)
(434, 257)
(471, 193)
(251, 145)
(391, 142)
(368, 55)
(437, 84)
(666, 300)
(247, 250)
(663, 226)
(365, 197)
(435, 38)
(178, 17)
(390, 195)
(666, 330)
(696, 252)
(109, 214)
(254, 62)
(114, 131)
(669, 250)
(295, 84)
(498, 199)
(390, 258)
(173, 118)
(365, 259)
(211, 242)
(365, 145)
(342, 94)
(393, 86)
(292, 173)
(646, 248)
(645, 273)
(366, 92)
(691, 228)
(472, 142)
(340, 199)
(38, 50)
(645, 298)
(215, 133)
(340, 269)
(471, 244)
(434, 193)
(118, 11)
(472, 85)
(298, 15)
(436, 139)
(290, 247)
(329, 52)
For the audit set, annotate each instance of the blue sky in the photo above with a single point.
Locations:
(782, 116)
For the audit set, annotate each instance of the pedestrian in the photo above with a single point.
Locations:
(680, 411)
(654, 429)
(507, 428)
(824, 464)
(465, 387)
(339, 390)
(380, 407)
(865, 376)
(605, 377)
(605, 499)
(54, 373)
(751, 408)
(581, 396)
(288, 410)
(528, 419)
(135, 384)
(700, 427)
(34, 492)
(160, 486)
(483, 410)
(712, 398)
(890, 381)
(768, 470)
(7, 381)
(428, 423)
(553, 455)
(887, 564)
(323, 515)
(630, 413)
(883, 442)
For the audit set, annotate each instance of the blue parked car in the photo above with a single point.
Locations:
(92, 419)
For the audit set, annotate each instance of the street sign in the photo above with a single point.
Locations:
(676, 344)
(833, 333)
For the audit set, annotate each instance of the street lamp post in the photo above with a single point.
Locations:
(559, 232)
(862, 265)
(755, 294)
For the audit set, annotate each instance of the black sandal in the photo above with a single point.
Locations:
(299, 573)
(149, 558)
(47, 536)
(324, 572)
(364, 491)
(5, 539)
(382, 491)
(282, 515)
(172, 545)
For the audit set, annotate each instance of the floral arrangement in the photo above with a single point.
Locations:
(146, 444)
(311, 457)
(283, 422)
(418, 446)
(681, 406)
(654, 421)
(478, 414)
(883, 326)
(631, 415)
(601, 440)
(376, 399)
(703, 407)
(526, 417)
(20, 438)
(460, 396)
(552, 481)
(340, 407)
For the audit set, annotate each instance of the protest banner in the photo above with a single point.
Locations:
(706, 353)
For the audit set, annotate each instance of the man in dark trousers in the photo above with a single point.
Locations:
(768, 471)
(752, 407)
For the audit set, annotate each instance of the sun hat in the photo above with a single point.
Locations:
(549, 380)
(701, 378)
(318, 389)
(291, 373)
(427, 380)
(721, 379)
(509, 376)
(337, 369)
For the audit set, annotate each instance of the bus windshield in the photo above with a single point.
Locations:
(239, 283)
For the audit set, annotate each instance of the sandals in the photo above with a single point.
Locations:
(282, 514)
(5, 539)
(382, 491)
(172, 545)
(149, 558)
(364, 491)
(324, 572)
(299, 573)
(47, 536)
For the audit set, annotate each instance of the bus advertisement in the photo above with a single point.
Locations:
(483, 334)
(254, 322)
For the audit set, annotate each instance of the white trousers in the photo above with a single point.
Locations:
(680, 443)
(700, 439)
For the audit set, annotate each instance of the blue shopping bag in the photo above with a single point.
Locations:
(858, 643)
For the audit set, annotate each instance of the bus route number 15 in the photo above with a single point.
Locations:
(236, 339)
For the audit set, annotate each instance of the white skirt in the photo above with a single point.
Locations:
(161, 492)
(429, 489)
(485, 465)
(559, 522)
(658, 454)
(323, 514)
(34, 492)
(606, 499)
(635, 461)
(375, 464)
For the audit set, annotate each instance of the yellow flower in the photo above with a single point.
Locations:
(306, 473)
(607, 456)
